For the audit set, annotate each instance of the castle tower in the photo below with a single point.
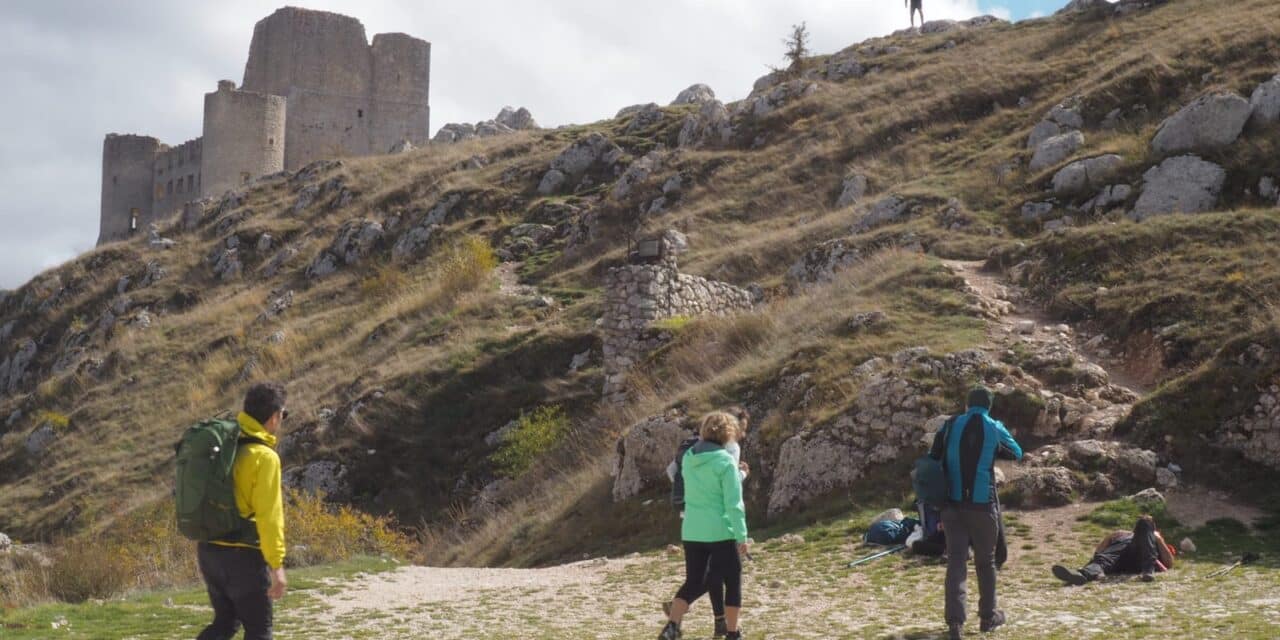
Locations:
(346, 98)
(127, 162)
(244, 137)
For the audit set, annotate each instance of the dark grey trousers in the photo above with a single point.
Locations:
(976, 527)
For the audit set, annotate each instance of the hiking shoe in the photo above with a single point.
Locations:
(736, 635)
(990, 624)
(1073, 578)
(670, 632)
(955, 631)
(1148, 576)
(722, 629)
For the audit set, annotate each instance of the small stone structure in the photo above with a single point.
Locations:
(314, 88)
(651, 289)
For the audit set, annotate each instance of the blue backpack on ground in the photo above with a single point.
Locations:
(890, 532)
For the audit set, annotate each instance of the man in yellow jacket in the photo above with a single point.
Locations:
(244, 572)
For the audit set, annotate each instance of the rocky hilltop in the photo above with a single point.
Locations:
(503, 334)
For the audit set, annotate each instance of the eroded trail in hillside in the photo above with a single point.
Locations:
(1014, 321)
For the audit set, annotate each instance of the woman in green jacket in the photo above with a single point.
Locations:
(715, 524)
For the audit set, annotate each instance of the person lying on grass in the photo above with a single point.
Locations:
(1142, 551)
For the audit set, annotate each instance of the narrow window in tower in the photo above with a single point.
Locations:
(133, 220)
(168, 189)
(359, 113)
(244, 177)
(159, 190)
(115, 179)
(271, 142)
(191, 183)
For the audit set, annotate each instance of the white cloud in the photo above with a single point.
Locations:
(78, 70)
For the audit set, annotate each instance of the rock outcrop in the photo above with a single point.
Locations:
(1265, 102)
(1086, 174)
(1210, 122)
(1182, 184)
(1053, 150)
(710, 127)
(508, 120)
(695, 94)
(644, 453)
(355, 240)
(852, 189)
(581, 163)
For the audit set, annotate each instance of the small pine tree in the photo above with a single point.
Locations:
(797, 49)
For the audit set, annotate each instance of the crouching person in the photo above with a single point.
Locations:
(1142, 551)
(714, 530)
(243, 570)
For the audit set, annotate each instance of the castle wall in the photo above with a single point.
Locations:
(341, 95)
(346, 98)
(244, 137)
(401, 83)
(127, 184)
(177, 179)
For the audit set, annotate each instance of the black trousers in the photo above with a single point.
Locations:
(237, 580)
(1137, 554)
(709, 563)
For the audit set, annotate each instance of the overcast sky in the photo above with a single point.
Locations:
(74, 70)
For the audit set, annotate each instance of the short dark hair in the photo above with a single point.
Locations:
(264, 400)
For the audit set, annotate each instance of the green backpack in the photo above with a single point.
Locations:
(205, 488)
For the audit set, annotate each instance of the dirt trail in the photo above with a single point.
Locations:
(1013, 320)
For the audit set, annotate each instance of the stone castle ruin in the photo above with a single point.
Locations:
(313, 88)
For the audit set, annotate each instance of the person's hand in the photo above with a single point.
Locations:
(745, 468)
(744, 549)
(278, 584)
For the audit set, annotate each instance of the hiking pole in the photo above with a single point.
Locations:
(877, 556)
(1247, 559)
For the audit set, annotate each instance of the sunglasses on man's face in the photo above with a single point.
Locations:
(284, 415)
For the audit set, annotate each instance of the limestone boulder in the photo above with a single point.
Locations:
(638, 172)
(762, 104)
(455, 132)
(843, 66)
(356, 240)
(13, 370)
(1209, 122)
(644, 453)
(1089, 173)
(1040, 487)
(822, 262)
(516, 119)
(227, 265)
(710, 127)
(490, 129)
(1056, 149)
(413, 243)
(852, 189)
(1265, 102)
(885, 211)
(38, 441)
(588, 153)
(643, 117)
(1182, 184)
(695, 94)
(552, 182)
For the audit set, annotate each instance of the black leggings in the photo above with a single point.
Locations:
(712, 563)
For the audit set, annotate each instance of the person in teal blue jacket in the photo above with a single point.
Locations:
(715, 525)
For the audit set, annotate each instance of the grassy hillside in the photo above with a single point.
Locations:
(399, 368)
